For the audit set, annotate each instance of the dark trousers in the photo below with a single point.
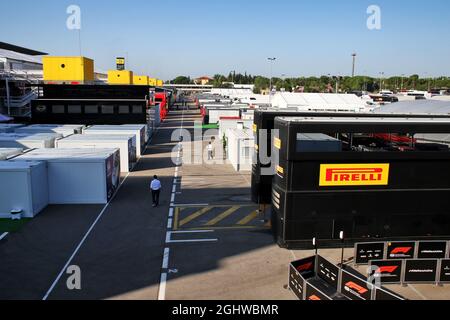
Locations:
(155, 197)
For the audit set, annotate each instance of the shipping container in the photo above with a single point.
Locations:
(138, 132)
(9, 127)
(126, 144)
(79, 176)
(140, 80)
(147, 129)
(216, 113)
(68, 69)
(240, 146)
(6, 153)
(24, 187)
(28, 140)
(64, 129)
(383, 184)
(120, 77)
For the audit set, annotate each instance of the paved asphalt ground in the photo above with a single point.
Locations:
(205, 241)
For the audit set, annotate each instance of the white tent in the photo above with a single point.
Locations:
(326, 102)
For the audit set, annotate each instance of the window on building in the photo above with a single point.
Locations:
(137, 109)
(74, 109)
(58, 109)
(108, 109)
(91, 109)
(124, 109)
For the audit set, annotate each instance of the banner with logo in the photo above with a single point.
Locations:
(387, 271)
(299, 271)
(401, 250)
(355, 288)
(432, 250)
(366, 252)
(444, 272)
(328, 272)
(421, 271)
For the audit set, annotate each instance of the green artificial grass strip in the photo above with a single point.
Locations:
(8, 225)
(208, 126)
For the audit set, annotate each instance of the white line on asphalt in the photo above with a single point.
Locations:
(174, 188)
(82, 241)
(417, 292)
(3, 236)
(166, 258)
(191, 205)
(193, 241)
(163, 281)
(193, 231)
(162, 287)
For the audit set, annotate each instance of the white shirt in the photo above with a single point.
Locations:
(155, 185)
(210, 147)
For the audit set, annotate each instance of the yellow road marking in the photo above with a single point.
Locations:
(177, 214)
(247, 219)
(223, 216)
(194, 216)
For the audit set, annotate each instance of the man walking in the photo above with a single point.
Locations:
(155, 186)
(210, 152)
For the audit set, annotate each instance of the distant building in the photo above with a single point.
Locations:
(19, 62)
(19, 67)
(203, 81)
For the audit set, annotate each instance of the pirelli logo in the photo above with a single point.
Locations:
(277, 143)
(346, 175)
(255, 128)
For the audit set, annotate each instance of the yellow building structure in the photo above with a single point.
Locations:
(68, 69)
(120, 77)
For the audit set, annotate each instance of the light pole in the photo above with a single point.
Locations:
(271, 61)
(402, 82)
(381, 81)
(354, 64)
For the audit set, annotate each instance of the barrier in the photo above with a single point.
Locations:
(369, 251)
(315, 278)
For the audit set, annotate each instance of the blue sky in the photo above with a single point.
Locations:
(202, 37)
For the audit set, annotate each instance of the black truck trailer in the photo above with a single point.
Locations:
(264, 119)
(370, 178)
(91, 104)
